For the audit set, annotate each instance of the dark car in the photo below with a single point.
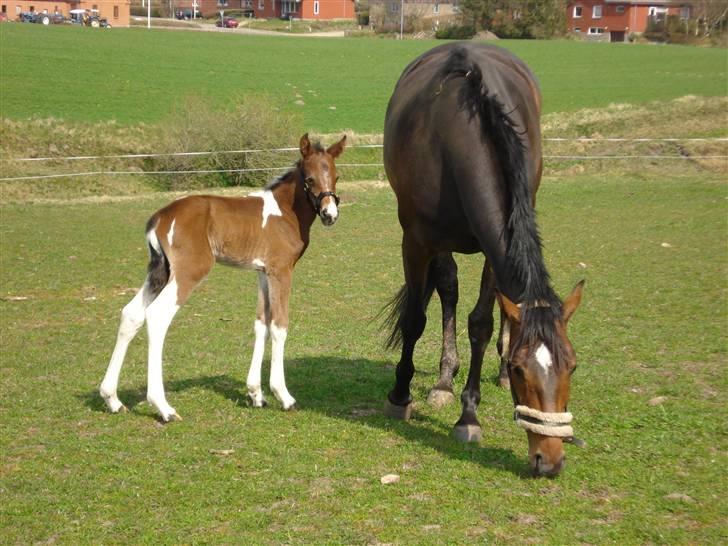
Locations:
(227, 22)
(187, 14)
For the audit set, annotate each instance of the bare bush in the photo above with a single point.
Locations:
(194, 126)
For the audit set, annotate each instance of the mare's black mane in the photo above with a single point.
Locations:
(541, 307)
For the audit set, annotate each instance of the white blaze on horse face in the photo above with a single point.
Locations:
(331, 210)
(543, 357)
(170, 233)
(270, 205)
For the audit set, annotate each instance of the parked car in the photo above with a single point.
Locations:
(187, 14)
(228, 22)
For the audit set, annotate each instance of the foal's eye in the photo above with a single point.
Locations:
(309, 180)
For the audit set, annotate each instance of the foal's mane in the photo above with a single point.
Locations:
(541, 307)
(273, 184)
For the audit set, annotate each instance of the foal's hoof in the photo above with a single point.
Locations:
(403, 413)
(172, 417)
(504, 382)
(292, 407)
(467, 433)
(439, 398)
(254, 403)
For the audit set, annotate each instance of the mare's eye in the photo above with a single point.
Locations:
(517, 370)
(572, 370)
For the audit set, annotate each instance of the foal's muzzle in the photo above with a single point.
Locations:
(330, 212)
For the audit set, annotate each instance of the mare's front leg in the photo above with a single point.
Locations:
(480, 330)
(262, 323)
(445, 273)
(279, 289)
(412, 321)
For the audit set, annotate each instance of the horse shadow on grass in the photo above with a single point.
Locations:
(353, 390)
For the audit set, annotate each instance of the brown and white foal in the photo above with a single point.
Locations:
(267, 231)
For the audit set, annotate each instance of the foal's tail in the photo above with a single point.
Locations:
(158, 270)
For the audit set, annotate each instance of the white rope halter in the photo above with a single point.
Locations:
(544, 423)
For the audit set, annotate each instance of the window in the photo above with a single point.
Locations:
(261, 4)
(577, 12)
(5, 8)
(577, 29)
(620, 9)
(116, 12)
(394, 7)
(316, 6)
(595, 31)
(18, 9)
(222, 3)
(436, 8)
(685, 13)
(597, 12)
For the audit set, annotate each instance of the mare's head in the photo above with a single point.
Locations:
(541, 360)
(318, 171)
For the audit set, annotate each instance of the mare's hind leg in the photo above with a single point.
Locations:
(132, 319)
(503, 345)
(411, 323)
(262, 324)
(480, 330)
(445, 272)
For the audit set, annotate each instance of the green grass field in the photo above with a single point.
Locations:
(652, 325)
(649, 237)
(135, 75)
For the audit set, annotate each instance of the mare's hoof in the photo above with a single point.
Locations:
(439, 398)
(467, 433)
(403, 413)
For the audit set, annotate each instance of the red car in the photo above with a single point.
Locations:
(227, 22)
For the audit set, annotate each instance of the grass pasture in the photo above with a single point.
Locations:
(652, 325)
(136, 75)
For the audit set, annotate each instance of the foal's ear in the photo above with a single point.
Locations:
(305, 146)
(572, 302)
(335, 149)
(512, 311)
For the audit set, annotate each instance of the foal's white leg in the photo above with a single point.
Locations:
(277, 377)
(255, 393)
(132, 319)
(159, 316)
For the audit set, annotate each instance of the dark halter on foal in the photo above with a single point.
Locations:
(314, 199)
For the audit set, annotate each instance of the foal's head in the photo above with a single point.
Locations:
(541, 360)
(319, 177)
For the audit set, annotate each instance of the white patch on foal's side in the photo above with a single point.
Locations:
(543, 357)
(270, 205)
(170, 233)
(153, 241)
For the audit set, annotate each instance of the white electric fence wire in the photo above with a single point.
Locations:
(363, 146)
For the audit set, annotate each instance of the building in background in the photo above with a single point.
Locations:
(615, 20)
(116, 12)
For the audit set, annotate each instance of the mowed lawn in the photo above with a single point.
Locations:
(648, 397)
(136, 75)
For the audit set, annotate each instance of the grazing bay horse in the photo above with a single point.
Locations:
(267, 231)
(462, 151)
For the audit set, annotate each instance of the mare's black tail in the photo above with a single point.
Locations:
(394, 311)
